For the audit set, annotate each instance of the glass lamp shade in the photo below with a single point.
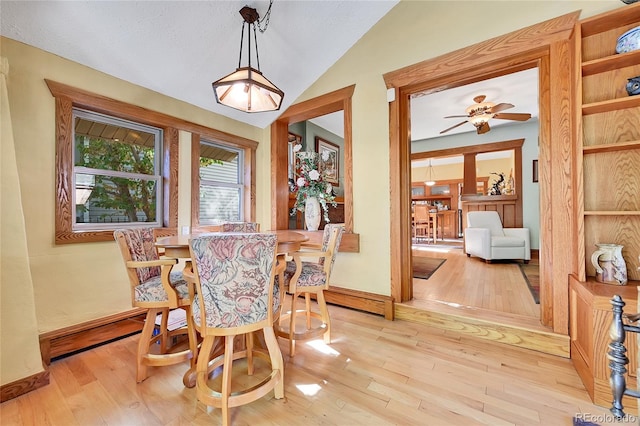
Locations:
(248, 90)
(479, 119)
(430, 183)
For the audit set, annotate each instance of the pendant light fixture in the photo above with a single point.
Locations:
(246, 89)
(430, 181)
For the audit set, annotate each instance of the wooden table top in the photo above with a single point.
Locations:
(178, 245)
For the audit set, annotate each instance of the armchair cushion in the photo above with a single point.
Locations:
(485, 238)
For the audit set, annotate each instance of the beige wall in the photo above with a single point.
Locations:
(77, 282)
(81, 282)
(411, 32)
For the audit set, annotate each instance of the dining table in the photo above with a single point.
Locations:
(177, 246)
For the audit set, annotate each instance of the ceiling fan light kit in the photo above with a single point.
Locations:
(481, 112)
(430, 181)
(247, 89)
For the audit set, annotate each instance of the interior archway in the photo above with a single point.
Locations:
(546, 45)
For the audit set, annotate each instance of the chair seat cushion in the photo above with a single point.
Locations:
(507, 242)
(312, 274)
(152, 290)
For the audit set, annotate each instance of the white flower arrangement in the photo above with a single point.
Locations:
(311, 183)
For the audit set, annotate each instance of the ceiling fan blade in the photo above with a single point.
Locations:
(513, 116)
(483, 128)
(456, 116)
(453, 127)
(500, 107)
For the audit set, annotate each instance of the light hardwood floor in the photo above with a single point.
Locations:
(498, 286)
(375, 372)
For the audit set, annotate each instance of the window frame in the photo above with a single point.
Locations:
(239, 179)
(68, 97)
(248, 170)
(155, 177)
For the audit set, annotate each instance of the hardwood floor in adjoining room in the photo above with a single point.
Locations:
(489, 301)
(375, 372)
(497, 286)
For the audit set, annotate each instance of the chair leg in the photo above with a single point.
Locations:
(249, 348)
(189, 377)
(277, 362)
(292, 324)
(144, 343)
(164, 330)
(324, 312)
(307, 306)
(226, 378)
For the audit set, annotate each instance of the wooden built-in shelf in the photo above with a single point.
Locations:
(431, 197)
(621, 146)
(473, 197)
(611, 105)
(610, 63)
(611, 213)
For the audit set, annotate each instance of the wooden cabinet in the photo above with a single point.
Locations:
(608, 155)
(590, 318)
(609, 129)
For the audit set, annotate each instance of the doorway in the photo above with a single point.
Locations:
(547, 46)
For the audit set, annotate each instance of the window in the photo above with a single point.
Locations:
(117, 179)
(221, 184)
(80, 178)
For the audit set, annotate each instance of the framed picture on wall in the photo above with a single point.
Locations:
(328, 160)
(535, 171)
(293, 140)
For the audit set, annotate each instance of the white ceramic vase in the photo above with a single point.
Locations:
(609, 263)
(312, 213)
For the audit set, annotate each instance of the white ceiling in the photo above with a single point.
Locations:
(428, 112)
(178, 48)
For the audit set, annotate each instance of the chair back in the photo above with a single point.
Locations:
(138, 244)
(489, 219)
(234, 276)
(331, 238)
(240, 227)
(421, 213)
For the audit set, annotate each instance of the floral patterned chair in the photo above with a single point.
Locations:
(235, 287)
(240, 227)
(311, 278)
(156, 288)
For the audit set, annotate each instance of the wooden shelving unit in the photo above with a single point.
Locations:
(608, 130)
(610, 134)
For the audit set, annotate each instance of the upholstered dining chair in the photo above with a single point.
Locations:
(240, 227)
(235, 295)
(155, 287)
(312, 278)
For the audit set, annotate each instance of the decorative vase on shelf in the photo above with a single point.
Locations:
(609, 263)
(633, 86)
(312, 213)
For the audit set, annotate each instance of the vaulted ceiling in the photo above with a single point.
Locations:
(178, 48)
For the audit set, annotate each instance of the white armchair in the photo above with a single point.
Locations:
(485, 237)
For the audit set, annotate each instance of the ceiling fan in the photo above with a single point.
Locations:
(481, 112)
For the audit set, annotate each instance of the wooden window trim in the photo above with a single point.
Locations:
(249, 192)
(68, 97)
(338, 100)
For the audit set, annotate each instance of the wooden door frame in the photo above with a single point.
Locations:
(550, 47)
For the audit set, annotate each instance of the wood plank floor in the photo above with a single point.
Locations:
(498, 286)
(490, 301)
(375, 372)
